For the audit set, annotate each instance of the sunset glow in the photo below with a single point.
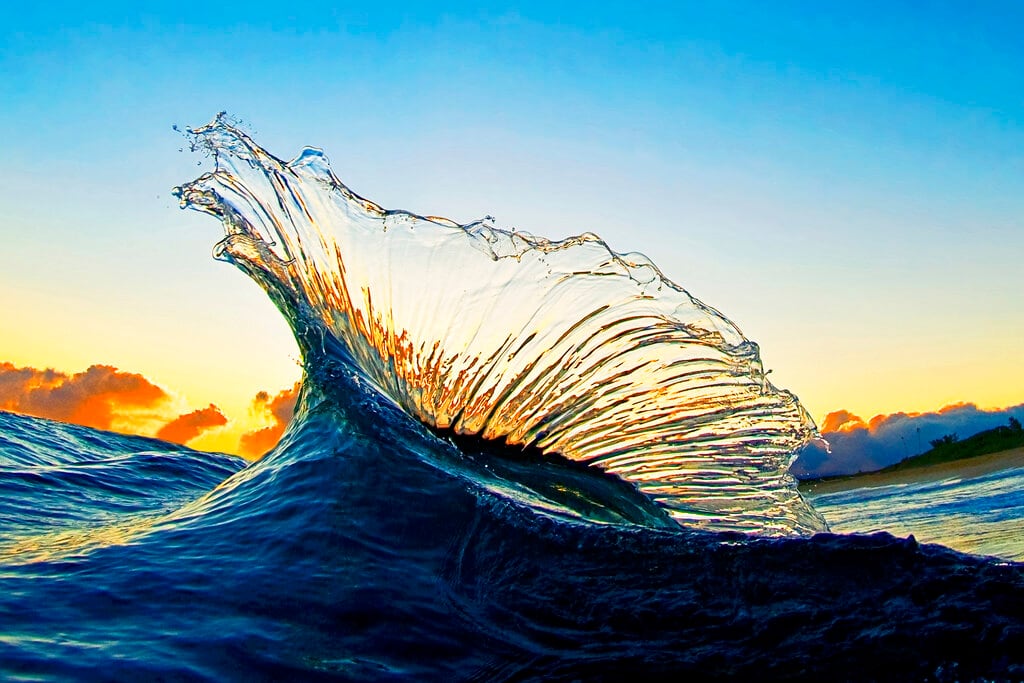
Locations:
(851, 198)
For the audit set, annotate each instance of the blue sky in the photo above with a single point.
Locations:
(846, 183)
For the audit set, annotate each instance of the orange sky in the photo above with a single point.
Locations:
(104, 397)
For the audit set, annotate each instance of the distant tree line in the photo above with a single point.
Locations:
(949, 439)
(949, 447)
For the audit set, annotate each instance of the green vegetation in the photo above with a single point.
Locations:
(950, 447)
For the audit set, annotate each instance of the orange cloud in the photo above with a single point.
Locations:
(279, 409)
(184, 428)
(841, 421)
(102, 396)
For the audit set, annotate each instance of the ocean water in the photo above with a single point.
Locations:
(981, 514)
(511, 459)
(361, 549)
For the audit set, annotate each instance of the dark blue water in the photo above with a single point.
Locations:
(365, 548)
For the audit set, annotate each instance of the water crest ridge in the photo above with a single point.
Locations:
(566, 347)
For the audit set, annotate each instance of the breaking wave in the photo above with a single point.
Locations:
(512, 345)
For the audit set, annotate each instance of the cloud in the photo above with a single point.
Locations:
(102, 396)
(184, 428)
(858, 446)
(841, 420)
(279, 411)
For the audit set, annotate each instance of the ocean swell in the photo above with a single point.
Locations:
(564, 348)
(347, 553)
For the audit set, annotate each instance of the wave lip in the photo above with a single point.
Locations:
(563, 346)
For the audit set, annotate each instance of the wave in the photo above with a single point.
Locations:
(559, 368)
(348, 553)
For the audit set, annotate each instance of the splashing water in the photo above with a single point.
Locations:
(565, 348)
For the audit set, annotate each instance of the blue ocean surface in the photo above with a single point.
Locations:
(511, 459)
(357, 550)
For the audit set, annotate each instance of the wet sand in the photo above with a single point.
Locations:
(963, 469)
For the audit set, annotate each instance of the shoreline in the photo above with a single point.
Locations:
(966, 468)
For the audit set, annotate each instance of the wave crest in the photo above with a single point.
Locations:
(563, 346)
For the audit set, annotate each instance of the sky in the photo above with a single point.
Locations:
(844, 181)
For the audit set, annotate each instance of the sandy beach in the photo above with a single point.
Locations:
(964, 469)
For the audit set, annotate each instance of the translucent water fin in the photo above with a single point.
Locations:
(563, 346)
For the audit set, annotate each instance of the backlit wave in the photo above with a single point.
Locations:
(566, 347)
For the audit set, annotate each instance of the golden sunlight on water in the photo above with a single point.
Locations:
(564, 346)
